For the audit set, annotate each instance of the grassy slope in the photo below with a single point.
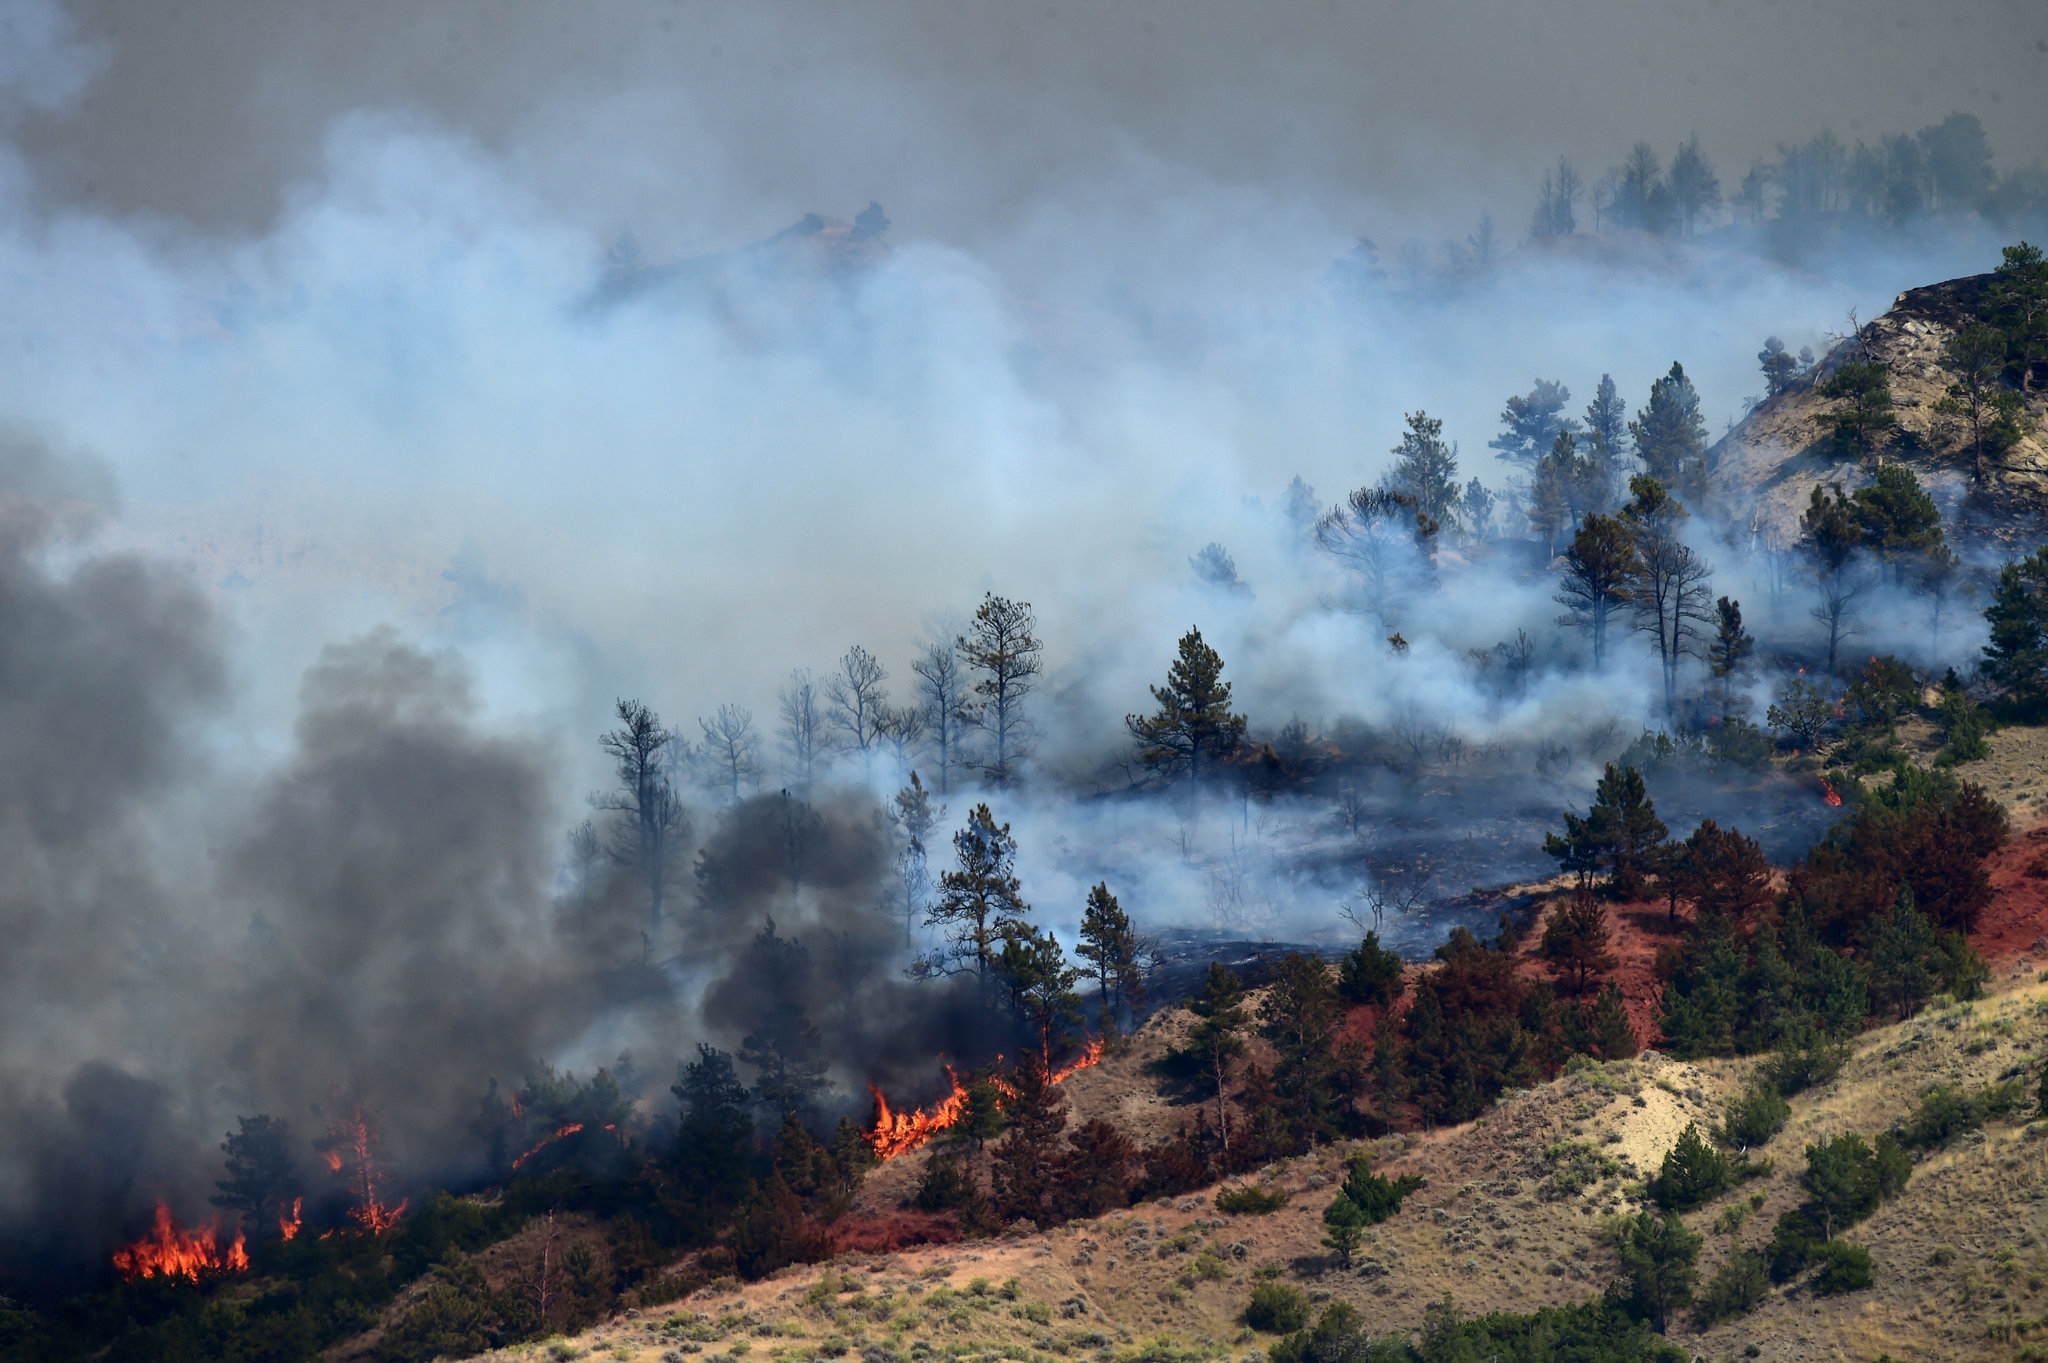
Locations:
(1961, 1258)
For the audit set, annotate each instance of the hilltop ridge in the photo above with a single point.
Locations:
(1767, 465)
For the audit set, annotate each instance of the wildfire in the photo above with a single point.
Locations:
(1090, 1055)
(172, 1253)
(1829, 793)
(351, 1146)
(568, 1129)
(898, 1133)
(288, 1226)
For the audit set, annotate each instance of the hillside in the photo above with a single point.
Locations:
(1960, 1256)
(1513, 1215)
(1767, 466)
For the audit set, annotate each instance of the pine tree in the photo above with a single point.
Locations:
(1109, 944)
(1657, 1256)
(1778, 365)
(1671, 435)
(1864, 388)
(261, 1183)
(1026, 1168)
(1371, 975)
(981, 1115)
(1344, 1228)
(1607, 425)
(1217, 1036)
(1830, 540)
(1041, 986)
(1530, 423)
(1002, 646)
(1900, 522)
(1668, 583)
(1193, 727)
(2019, 296)
(979, 902)
(1426, 469)
(1694, 186)
(1993, 414)
(1612, 1034)
(1693, 1173)
(1619, 833)
(714, 1139)
(2017, 656)
(1575, 940)
(785, 1047)
(1730, 650)
(1598, 570)
(911, 817)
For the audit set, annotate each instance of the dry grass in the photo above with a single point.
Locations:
(1962, 1257)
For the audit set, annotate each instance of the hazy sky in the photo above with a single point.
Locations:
(722, 122)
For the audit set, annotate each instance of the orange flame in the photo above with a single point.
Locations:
(898, 1133)
(1091, 1054)
(351, 1146)
(571, 1129)
(288, 1226)
(172, 1253)
(1829, 794)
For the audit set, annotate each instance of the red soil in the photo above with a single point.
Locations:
(892, 1231)
(2017, 916)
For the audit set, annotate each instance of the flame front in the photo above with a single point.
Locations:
(365, 1181)
(1090, 1055)
(569, 1129)
(898, 1133)
(1829, 793)
(172, 1253)
(288, 1226)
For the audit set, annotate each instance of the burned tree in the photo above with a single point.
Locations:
(859, 703)
(1384, 538)
(803, 728)
(652, 822)
(942, 691)
(731, 753)
(1001, 646)
(911, 817)
(1668, 583)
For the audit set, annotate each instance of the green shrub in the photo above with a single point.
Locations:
(1735, 1289)
(1378, 1197)
(1277, 1308)
(457, 1316)
(1693, 1173)
(1576, 1166)
(1946, 1111)
(1807, 1058)
(1755, 1117)
(1249, 1201)
(1844, 1268)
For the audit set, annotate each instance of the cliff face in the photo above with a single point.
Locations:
(1767, 466)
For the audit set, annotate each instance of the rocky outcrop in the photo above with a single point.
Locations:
(1765, 468)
